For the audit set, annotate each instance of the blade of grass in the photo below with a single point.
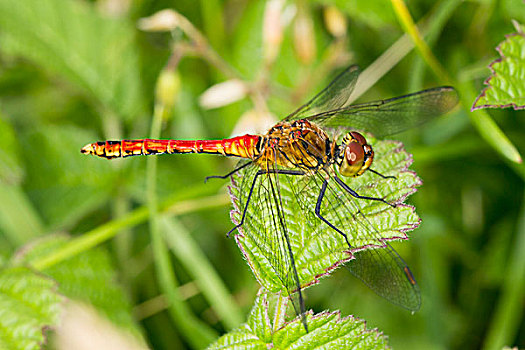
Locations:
(487, 128)
(382, 65)
(444, 10)
(402, 47)
(509, 310)
(177, 205)
(211, 286)
(411, 29)
(197, 333)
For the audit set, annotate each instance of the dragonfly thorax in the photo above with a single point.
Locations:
(354, 155)
(297, 145)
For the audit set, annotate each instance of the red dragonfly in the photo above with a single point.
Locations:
(305, 146)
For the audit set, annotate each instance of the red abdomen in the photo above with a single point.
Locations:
(246, 146)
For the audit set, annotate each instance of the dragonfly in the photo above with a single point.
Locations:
(320, 147)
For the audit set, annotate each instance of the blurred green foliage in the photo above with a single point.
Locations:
(74, 72)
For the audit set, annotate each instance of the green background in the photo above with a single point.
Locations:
(71, 73)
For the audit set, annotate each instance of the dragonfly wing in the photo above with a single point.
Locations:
(264, 235)
(387, 117)
(369, 225)
(334, 96)
(387, 274)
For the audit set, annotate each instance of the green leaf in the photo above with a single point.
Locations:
(327, 331)
(71, 39)
(506, 86)
(316, 248)
(88, 277)
(29, 303)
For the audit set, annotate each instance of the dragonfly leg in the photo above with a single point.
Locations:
(318, 213)
(383, 176)
(356, 195)
(260, 172)
(302, 306)
(227, 175)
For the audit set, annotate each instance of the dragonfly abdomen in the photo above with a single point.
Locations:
(246, 146)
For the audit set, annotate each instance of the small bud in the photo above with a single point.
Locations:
(168, 87)
(162, 21)
(223, 94)
(335, 21)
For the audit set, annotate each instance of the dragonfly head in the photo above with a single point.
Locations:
(355, 155)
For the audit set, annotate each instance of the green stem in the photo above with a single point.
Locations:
(174, 206)
(397, 51)
(437, 19)
(198, 266)
(90, 239)
(481, 121)
(487, 127)
(411, 29)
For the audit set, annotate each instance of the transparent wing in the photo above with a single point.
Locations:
(390, 116)
(264, 235)
(387, 274)
(376, 263)
(334, 96)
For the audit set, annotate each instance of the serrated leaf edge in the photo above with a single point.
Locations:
(487, 81)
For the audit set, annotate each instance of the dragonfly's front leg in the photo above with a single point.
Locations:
(318, 212)
(260, 172)
(356, 195)
(383, 176)
(349, 190)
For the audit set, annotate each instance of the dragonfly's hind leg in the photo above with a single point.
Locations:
(260, 172)
(227, 175)
(383, 176)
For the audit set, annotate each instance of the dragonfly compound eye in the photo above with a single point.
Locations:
(356, 155)
(358, 137)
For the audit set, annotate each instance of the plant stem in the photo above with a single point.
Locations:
(99, 235)
(411, 29)
(198, 334)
